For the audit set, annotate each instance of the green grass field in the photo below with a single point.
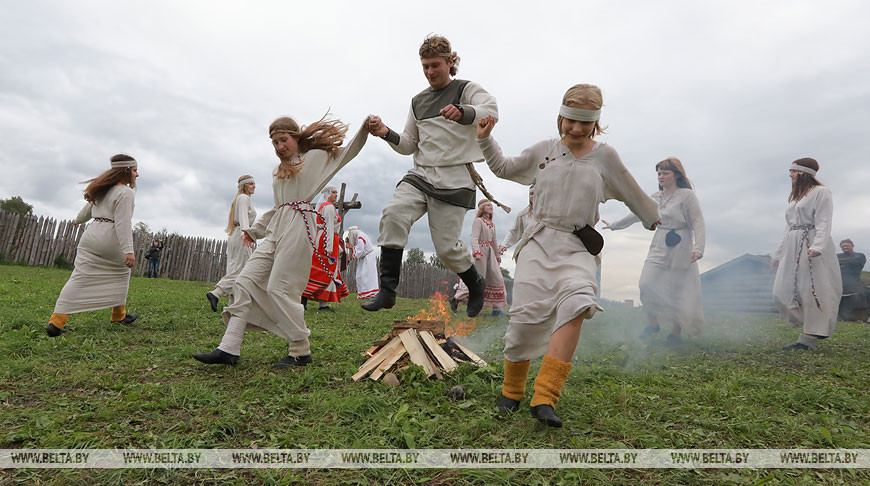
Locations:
(103, 385)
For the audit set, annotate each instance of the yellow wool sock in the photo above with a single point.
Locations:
(58, 320)
(548, 384)
(515, 374)
(119, 313)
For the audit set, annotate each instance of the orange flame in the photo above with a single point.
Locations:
(461, 328)
(439, 311)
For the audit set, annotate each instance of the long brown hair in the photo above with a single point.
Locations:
(805, 182)
(674, 165)
(231, 224)
(100, 185)
(326, 135)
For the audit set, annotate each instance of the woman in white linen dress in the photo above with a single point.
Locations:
(366, 263)
(670, 285)
(242, 216)
(104, 256)
(524, 220)
(487, 259)
(555, 284)
(266, 295)
(808, 284)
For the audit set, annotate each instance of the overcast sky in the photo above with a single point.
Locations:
(736, 90)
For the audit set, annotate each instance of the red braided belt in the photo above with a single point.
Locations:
(298, 206)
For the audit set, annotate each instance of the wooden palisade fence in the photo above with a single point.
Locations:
(37, 241)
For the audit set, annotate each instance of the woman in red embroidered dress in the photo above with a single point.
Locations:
(484, 248)
(325, 283)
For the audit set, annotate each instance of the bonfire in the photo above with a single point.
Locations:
(426, 339)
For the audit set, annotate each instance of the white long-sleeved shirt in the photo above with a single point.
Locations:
(569, 190)
(116, 205)
(442, 147)
(681, 212)
(817, 209)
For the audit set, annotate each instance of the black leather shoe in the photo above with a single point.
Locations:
(796, 347)
(217, 357)
(390, 270)
(289, 361)
(673, 339)
(498, 313)
(546, 415)
(507, 405)
(476, 285)
(129, 318)
(326, 308)
(212, 300)
(454, 306)
(53, 331)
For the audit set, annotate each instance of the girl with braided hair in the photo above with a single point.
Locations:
(267, 293)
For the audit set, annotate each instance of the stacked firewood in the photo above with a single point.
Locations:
(421, 342)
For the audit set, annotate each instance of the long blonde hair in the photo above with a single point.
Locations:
(243, 189)
(326, 135)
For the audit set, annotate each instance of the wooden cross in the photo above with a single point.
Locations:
(343, 207)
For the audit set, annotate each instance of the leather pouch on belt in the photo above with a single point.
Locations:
(672, 238)
(592, 240)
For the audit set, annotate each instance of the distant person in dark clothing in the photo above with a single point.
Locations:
(153, 257)
(853, 305)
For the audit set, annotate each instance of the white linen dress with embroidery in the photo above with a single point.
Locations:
(366, 267)
(267, 292)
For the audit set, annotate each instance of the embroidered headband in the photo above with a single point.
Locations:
(483, 201)
(124, 163)
(801, 168)
(249, 180)
(579, 114)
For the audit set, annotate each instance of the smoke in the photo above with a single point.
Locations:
(613, 338)
(487, 339)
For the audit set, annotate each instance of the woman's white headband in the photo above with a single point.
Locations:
(124, 163)
(801, 168)
(579, 114)
(249, 180)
